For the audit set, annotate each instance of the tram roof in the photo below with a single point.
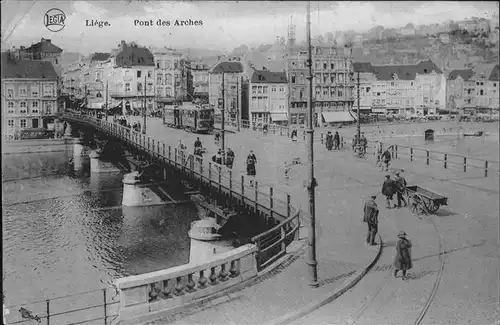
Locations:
(191, 107)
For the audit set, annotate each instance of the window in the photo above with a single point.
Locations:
(273, 89)
(10, 93)
(98, 76)
(325, 92)
(48, 90)
(22, 91)
(254, 90)
(34, 91)
(494, 85)
(317, 65)
(325, 66)
(34, 107)
(23, 123)
(301, 94)
(150, 74)
(482, 83)
(378, 94)
(22, 107)
(150, 86)
(157, 65)
(138, 73)
(10, 107)
(48, 108)
(318, 91)
(332, 66)
(139, 86)
(368, 89)
(265, 89)
(392, 84)
(293, 79)
(425, 70)
(10, 123)
(437, 102)
(127, 86)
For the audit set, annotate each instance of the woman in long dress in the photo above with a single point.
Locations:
(402, 261)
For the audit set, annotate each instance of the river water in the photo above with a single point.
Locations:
(65, 232)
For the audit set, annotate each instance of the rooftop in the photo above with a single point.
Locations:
(465, 74)
(132, 55)
(44, 46)
(228, 67)
(100, 56)
(495, 73)
(401, 71)
(26, 69)
(264, 76)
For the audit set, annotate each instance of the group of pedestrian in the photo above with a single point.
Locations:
(394, 186)
(402, 260)
(359, 144)
(332, 141)
(228, 159)
(136, 126)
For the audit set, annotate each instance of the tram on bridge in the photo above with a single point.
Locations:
(193, 118)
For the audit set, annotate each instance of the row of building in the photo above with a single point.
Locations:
(269, 88)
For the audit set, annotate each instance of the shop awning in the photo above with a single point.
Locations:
(278, 117)
(329, 117)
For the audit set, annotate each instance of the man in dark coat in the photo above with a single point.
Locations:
(386, 159)
(336, 141)
(371, 218)
(402, 260)
(400, 182)
(250, 162)
(329, 141)
(198, 147)
(388, 189)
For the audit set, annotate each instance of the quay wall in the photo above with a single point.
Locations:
(35, 145)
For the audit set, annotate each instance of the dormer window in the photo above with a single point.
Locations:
(425, 70)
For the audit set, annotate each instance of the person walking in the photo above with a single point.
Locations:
(336, 141)
(402, 260)
(371, 218)
(251, 162)
(386, 159)
(329, 141)
(400, 183)
(229, 158)
(388, 189)
(294, 135)
(198, 147)
(363, 142)
(379, 151)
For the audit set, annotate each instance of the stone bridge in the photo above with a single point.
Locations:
(262, 218)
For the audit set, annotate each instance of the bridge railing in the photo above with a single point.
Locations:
(167, 289)
(98, 306)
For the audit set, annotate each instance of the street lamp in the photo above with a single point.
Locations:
(312, 181)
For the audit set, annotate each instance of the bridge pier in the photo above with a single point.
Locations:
(206, 244)
(68, 131)
(136, 193)
(99, 166)
(78, 154)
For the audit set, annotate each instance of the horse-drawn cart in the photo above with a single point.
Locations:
(421, 200)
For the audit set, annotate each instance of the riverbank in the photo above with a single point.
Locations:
(36, 145)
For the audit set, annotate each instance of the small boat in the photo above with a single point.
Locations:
(475, 134)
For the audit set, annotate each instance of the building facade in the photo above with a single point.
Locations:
(131, 75)
(200, 74)
(227, 75)
(29, 95)
(417, 89)
(171, 76)
(269, 97)
(460, 90)
(333, 82)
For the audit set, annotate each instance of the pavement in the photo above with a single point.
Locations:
(466, 291)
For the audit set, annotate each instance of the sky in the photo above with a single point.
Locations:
(226, 25)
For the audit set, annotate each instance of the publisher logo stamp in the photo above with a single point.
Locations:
(54, 20)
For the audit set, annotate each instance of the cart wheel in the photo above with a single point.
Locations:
(433, 207)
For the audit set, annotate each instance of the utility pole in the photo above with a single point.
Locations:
(144, 110)
(237, 105)
(312, 181)
(223, 140)
(358, 124)
(106, 100)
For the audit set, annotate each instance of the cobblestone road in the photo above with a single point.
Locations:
(468, 292)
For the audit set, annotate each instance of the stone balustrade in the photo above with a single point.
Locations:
(146, 296)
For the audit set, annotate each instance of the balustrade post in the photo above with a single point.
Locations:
(321, 137)
(256, 196)
(427, 157)
(163, 150)
(465, 164)
(288, 207)
(411, 154)
(231, 183)
(486, 168)
(169, 154)
(242, 188)
(105, 307)
(342, 142)
(392, 152)
(396, 151)
(271, 203)
(175, 157)
(303, 135)
(288, 131)
(445, 161)
(148, 144)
